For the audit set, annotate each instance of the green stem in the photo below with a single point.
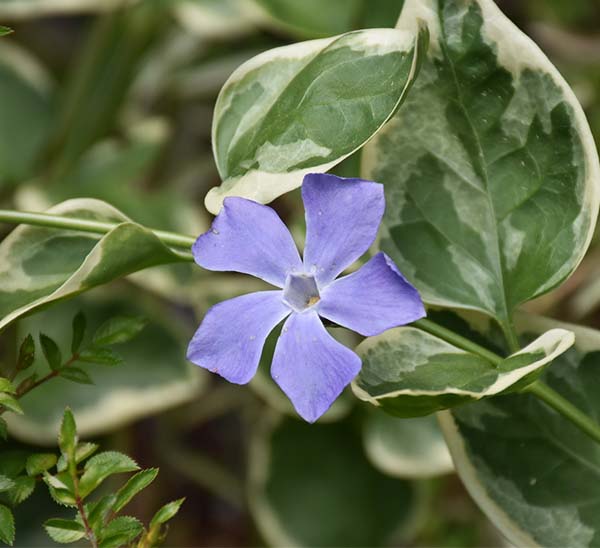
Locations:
(457, 340)
(565, 408)
(538, 388)
(85, 225)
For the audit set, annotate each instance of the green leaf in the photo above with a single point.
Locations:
(119, 330)
(406, 448)
(533, 472)
(39, 463)
(101, 466)
(78, 261)
(305, 107)
(490, 168)
(134, 485)
(166, 513)
(76, 374)
(141, 386)
(410, 373)
(10, 403)
(22, 489)
(67, 438)
(51, 352)
(26, 353)
(311, 485)
(6, 386)
(64, 531)
(5, 30)
(98, 511)
(26, 109)
(12, 462)
(7, 525)
(120, 531)
(6, 483)
(79, 327)
(102, 356)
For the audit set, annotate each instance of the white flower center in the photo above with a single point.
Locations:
(301, 292)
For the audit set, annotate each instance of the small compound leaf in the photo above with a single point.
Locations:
(411, 373)
(118, 330)
(64, 531)
(76, 374)
(102, 356)
(7, 525)
(51, 352)
(26, 353)
(22, 490)
(79, 327)
(305, 107)
(166, 513)
(10, 403)
(120, 531)
(134, 485)
(67, 438)
(6, 386)
(101, 466)
(40, 463)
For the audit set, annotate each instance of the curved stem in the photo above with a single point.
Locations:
(85, 225)
(538, 388)
(565, 408)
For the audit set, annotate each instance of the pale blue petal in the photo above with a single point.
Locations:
(231, 337)
(250, 238)
(373, 299)
(342, 219)
(310, 366)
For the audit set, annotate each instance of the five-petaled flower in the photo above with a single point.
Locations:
(310, 366)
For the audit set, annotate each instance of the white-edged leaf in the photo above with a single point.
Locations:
(41, 265)
(305, 107)
(534, 474)
(491, 171)
(411, 373)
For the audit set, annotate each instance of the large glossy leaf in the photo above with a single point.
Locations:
(154, 374)
(41, 265)
(311, 485)
(406, 448)
(26, 111)
(534, 473)
(305, 107)
(410, 373)
(491, 172)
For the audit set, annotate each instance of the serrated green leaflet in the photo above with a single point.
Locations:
(301, 494)
(534, 474)
(490, 168)
(406, 448)
(411, 373)
(305, 107)
(41, 265)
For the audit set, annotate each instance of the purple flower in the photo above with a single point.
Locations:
(310, 366)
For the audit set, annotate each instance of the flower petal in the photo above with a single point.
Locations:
(342, 219)
(374, 298)
(310, 366)
(231, 337)
(251, 238)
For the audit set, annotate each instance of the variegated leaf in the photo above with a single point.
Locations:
(411, 373)
(406, 448)
(535, 474)
(41, 265)
(491, 172)
(305, 107)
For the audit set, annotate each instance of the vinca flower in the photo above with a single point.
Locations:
(309, 365)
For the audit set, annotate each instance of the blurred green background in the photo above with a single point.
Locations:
(113, 100)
